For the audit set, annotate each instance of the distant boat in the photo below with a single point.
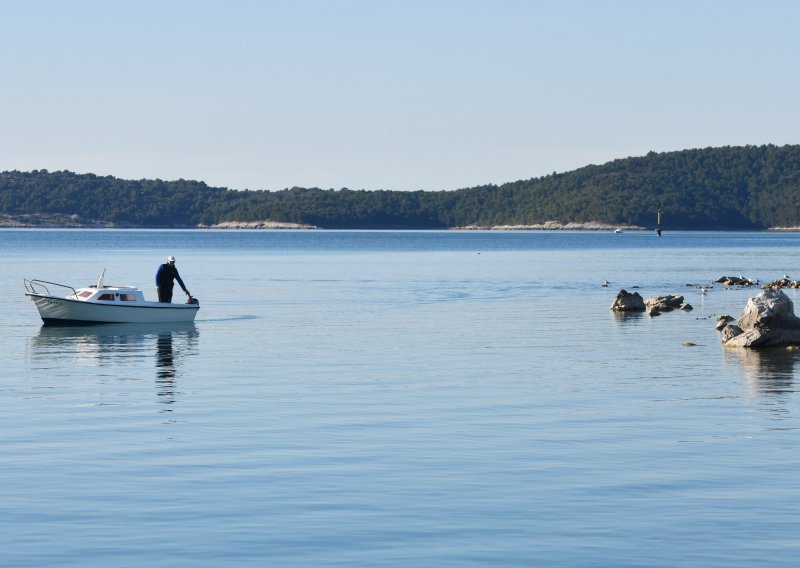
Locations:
(618, 231)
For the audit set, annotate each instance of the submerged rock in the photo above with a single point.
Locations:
(768, 320)
(628, 302)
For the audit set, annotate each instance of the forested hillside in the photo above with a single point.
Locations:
(752, 187)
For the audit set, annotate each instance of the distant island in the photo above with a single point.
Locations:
(726, 188)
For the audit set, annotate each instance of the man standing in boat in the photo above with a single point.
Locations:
(165, 280)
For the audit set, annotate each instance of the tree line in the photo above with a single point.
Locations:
(750, 187)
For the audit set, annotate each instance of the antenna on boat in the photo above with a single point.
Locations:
(100, 280)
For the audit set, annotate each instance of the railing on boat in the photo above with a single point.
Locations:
(36, 287)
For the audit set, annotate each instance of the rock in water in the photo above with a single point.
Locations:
(627, 302)
(768, 320)
(664, 303)
(729, 332)
(722, 321)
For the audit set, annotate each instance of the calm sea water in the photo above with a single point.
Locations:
(398, 399)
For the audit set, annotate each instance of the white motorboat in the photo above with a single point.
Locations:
(59, 304)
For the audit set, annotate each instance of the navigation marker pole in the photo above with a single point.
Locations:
(658, 225)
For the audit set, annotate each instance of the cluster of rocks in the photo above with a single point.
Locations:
(633, 302)
(744, 282)
(736, 281)
(784, 282)
(768, 320)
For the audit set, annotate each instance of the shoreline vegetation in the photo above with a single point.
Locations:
(54, 221)
(749, 188)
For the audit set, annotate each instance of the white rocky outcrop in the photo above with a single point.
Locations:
(767, 320)
(555, 226)
(260, 225)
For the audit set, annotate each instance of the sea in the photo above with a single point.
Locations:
(399, 398)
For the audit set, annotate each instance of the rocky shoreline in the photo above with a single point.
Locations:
(51, 221)
(257, 225)
(555, 226)
(60, 221)
(55, 221)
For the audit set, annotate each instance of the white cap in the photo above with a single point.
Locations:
(170, 259)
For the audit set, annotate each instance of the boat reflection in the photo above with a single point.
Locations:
(769, 372)
(121, 345)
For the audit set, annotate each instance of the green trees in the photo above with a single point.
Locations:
(751, 187)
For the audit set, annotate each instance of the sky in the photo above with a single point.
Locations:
(387, 94)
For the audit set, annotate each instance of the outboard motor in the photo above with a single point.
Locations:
(193, 300)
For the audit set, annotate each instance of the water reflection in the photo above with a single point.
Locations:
(165, 367)
(628, 317)
(120, 345)
(769, 372)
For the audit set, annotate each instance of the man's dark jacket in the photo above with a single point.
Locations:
(166, 275)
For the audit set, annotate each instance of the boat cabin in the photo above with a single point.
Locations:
(110, 294)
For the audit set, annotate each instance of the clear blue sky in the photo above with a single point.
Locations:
(372, 94)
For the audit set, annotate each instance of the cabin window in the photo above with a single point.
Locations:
(106, 297)
(127, 297)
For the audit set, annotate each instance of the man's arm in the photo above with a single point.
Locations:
(180, 281)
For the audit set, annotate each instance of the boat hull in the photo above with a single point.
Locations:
(56, 310)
